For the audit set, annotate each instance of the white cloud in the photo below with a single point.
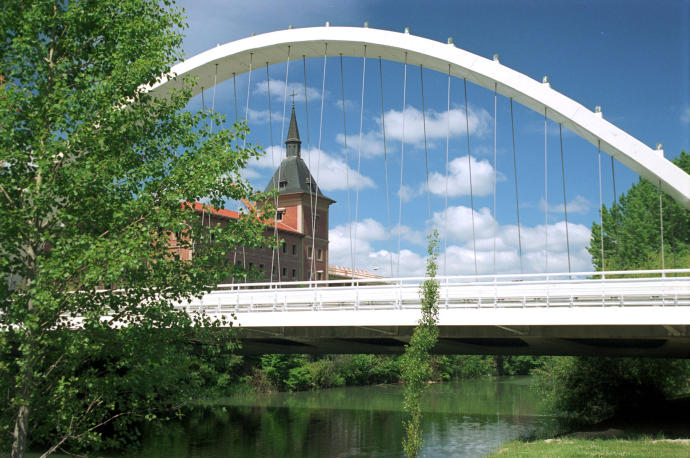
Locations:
(437, 125)
(331, 172)
(459, 178)
(458, 251)
(371, 146)
(278, 90)
(685, 115)
(579, 205)
(436, 128)
(261, 116)
(407, 193)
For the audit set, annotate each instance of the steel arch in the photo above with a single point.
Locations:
(220, 63)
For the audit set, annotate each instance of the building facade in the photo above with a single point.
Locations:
(301, 222)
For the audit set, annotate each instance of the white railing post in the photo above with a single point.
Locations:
(275, 301)
(237, 301)
(357, 299)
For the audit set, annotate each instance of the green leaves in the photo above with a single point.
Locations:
(93, 176)
(416, 370)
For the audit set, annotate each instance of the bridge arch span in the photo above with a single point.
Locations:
(220, 63)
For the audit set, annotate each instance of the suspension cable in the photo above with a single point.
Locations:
(402, 158)
(546, 195)
(469, 162)
(445, 212)
(273, 164)
(244, 142)
(495, 168)
(661, 228)
(601, 214)
(359, 157)
(565, 202)
(517, 199)
(213, 98)
(385, 162)
(347, 169)
(318, 168)
(306, 114)
(234, 91)
(614, 210)
(426, 152)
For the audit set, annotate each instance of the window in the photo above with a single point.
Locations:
(294, 274)
(319, 254)
(319, 276)
(282, 184)
(309, 252)
(251, 264)
(261, 266)
(294, 250)
(284, 247)
(280, 214)
(284, 271)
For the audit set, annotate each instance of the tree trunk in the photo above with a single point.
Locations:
(20, 432)
(500, 370)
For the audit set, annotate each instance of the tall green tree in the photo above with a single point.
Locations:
(416, 370)
(591, 389)
(94, 174)
(632, 229)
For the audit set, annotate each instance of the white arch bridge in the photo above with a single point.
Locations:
(640, 313)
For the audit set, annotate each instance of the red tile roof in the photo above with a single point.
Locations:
(199, 207)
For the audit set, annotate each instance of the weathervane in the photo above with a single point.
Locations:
(293, 97)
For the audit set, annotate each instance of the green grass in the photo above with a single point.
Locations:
(599, 447)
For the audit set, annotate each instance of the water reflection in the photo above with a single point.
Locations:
(462, 418)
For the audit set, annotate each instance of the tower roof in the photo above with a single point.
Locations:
(293, 131)
(293, 176)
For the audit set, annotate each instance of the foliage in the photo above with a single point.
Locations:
(93, 173)
(632, 235)
(416, 367)
(589, 390)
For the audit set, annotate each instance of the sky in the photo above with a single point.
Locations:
(629, 57)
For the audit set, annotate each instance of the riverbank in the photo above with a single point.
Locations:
(662, 429)
(567, 447)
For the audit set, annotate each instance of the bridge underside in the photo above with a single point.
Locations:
(638, 341)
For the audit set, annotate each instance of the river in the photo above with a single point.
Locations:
(461, 418)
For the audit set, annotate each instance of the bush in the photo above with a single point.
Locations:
(590, 389)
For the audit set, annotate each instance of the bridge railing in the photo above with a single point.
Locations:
(579, 289)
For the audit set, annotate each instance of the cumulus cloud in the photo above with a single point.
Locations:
(278, 91)
(437, 127)
(459, 178)
(262, 116)
(579, 205)
(331, 172)
(458, 250)
(437, 124)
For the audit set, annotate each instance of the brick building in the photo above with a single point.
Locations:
(303, 253)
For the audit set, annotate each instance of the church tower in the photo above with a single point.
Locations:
(302, 207)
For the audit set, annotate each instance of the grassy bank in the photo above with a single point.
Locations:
(566, 447)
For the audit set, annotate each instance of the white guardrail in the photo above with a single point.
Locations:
(578, 289)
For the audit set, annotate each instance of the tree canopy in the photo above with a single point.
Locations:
(94, 174)
(632, 229)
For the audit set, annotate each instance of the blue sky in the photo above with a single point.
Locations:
(629, 57)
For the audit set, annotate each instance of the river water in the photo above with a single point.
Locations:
(461, 418)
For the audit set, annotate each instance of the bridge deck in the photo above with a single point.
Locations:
(528, 314)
